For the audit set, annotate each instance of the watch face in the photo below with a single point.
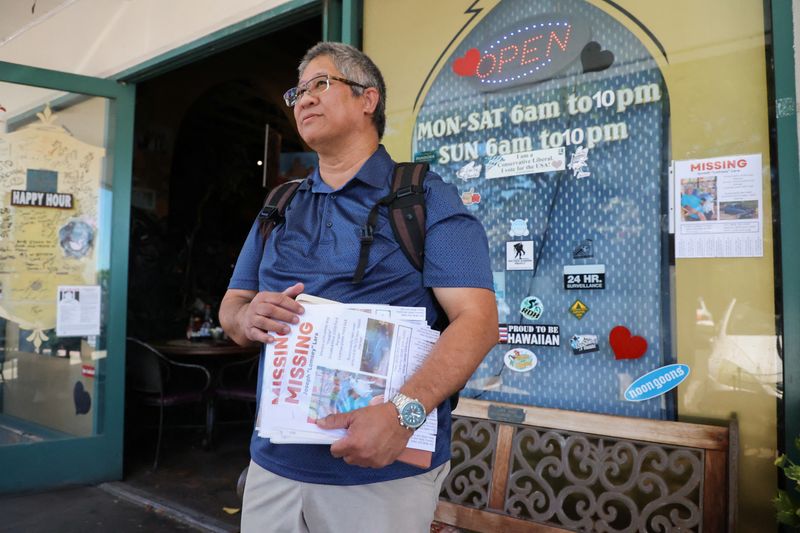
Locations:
(413, 414)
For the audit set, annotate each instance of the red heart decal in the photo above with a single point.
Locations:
(467, 65)
(625, 345)
(476, 198)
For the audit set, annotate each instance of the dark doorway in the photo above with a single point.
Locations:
(197, 188)
(197, 182)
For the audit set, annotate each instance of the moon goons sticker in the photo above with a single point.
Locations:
(531, 308)
(656, 382)
(520, 360)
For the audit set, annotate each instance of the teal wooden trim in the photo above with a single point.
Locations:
(32, 428)
(789, 190)
(62, 102)
(332, 21)
(122, 143)
(351, 22)
(63, 81)
(273, 19)
(75, 461)
(97, 458)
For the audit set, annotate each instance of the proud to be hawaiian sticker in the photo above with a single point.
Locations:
(531, 334)
(520, 360)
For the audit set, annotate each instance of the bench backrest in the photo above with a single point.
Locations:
(518, 468)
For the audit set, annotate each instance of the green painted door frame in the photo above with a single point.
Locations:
(342, 21)
(789, 190)
(96, 458)
(99, 458)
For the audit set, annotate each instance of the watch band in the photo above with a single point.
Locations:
(400, 401)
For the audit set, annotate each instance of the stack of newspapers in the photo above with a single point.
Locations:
(338, 358)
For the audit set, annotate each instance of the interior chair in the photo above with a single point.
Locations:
(155, 380)
(236, 381)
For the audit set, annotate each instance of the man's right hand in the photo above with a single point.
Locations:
(248, 316)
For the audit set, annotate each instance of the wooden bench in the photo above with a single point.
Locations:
(518, 468)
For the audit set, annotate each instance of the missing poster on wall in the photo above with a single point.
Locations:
(718, 207)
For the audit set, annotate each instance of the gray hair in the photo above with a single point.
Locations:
(355, 66)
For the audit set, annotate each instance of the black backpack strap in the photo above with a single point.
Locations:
(406, 213)
(275, 205)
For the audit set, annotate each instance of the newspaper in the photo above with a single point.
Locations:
(339, 358)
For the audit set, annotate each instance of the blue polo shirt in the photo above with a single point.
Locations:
(319, 245)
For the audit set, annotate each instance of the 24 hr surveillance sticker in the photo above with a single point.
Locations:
(584, 277)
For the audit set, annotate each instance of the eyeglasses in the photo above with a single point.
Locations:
(315, 86)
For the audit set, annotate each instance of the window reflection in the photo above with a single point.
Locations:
(742, 357)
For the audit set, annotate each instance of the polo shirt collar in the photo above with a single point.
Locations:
(374, 172)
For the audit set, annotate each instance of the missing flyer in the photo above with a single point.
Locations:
(718, 207)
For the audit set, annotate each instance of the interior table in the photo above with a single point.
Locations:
(212, 354)
(209, 347)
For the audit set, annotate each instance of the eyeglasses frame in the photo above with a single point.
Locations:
(328, 78)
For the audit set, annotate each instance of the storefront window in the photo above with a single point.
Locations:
(54, 263)
(558, 145)
(618, 155)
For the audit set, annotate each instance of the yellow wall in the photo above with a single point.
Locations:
(716, 77)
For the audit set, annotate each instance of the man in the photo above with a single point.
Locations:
(708, 205)
(692, 206)
(355, 484)
(519, 250)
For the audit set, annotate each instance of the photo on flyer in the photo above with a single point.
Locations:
(340, 391)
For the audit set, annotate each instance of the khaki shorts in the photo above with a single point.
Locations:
(275, 504)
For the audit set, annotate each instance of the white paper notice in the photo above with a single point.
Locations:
(534, 162)
(519, 255)
(718, 207)
(78, 310)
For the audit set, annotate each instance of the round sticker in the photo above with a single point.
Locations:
(520, 360)
(76, 238)
(531, 308)
(519, 228)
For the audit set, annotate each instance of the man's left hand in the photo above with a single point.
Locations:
(374, 435)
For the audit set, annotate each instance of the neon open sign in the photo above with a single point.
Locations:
(532, 50)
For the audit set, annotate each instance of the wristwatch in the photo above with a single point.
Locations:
(411, 413)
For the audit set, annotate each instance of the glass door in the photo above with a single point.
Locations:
(65, 178)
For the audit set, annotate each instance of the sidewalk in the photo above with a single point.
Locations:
(187, 493)
(115, 507)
